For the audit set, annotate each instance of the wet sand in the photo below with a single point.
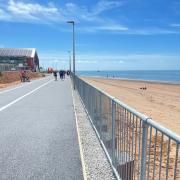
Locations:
(160, 101)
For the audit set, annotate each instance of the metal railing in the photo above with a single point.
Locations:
(138, 147)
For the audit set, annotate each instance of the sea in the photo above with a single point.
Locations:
(166, 76)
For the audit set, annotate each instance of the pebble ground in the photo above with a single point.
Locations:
(96, 163)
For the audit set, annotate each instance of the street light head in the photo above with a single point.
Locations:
(71, 22)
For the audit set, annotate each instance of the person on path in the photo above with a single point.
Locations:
(64, 72)
(23, 75)
(61, 74)
(55, 75)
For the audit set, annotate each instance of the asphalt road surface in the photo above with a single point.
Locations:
(38, 137)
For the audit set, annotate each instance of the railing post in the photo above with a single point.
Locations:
(81, 89)
(93, 105)
(100, 115)
(113, 131)
(144, 147)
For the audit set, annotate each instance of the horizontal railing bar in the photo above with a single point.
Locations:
(100, 90)
(164, 130)
(133, 111)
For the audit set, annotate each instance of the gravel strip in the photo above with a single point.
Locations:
(97, 166)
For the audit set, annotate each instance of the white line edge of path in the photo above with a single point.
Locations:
(79, 139)
(19, 86)
(18, 99)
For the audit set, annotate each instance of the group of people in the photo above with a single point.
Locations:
(24, 76)
(62, 74)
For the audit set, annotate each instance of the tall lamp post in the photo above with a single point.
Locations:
(69, 61)
(72, 22)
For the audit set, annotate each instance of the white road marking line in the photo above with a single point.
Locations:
(1, 92)
(18, 99)
(11, 89)
(79, 139)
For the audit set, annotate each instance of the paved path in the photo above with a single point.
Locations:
(38, 138)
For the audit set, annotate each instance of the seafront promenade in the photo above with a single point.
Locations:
(38, 136)
(49, 131)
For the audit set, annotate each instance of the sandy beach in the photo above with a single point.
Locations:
(160, 101)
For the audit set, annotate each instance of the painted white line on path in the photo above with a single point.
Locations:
(18, 99)
(79, 139)
(17, 87)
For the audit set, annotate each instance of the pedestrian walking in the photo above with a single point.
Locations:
(24, 76)
(61, 74)
(55, 75)
(68, 73)
(64, 73)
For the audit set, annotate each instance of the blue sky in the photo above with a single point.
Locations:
(110, 34)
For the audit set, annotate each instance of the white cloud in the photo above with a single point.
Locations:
(115, 61)
(129, 61)
(111, 27)
(108, 27)
(4, 15)
(28, 8)
(104, 5)
(89, 13)
(89, 19)
(149, 31)
(21, 11)
(112, 61)
(119, 58)
(175, 25)
(54, 56)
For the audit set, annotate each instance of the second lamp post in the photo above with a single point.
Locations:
(72, 22)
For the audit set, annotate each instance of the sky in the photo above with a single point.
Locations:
(109, 34)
